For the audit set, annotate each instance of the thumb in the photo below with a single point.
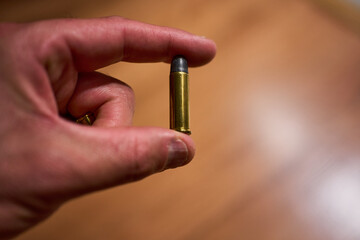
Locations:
(103, 157)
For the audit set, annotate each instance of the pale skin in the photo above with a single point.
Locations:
(48, 71)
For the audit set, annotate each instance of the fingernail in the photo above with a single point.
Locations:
(177, 154)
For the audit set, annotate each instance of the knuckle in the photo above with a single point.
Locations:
(57, 58)
(121, 92)
(128, 96)
(126, 91)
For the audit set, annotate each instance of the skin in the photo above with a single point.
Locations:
(48, 71)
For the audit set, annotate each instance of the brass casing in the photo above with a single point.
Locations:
(179, 102)
(87, 119)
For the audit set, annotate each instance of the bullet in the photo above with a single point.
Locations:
(179, 95)
(87, 119)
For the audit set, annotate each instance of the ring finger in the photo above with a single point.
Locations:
(111, 101)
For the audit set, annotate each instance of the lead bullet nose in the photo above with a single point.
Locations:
(179, 64)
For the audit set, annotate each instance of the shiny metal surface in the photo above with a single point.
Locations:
(87, 119)
(179, 102)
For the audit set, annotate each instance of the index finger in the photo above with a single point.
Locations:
(95, 43)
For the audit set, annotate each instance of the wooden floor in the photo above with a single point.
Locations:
(276, 119)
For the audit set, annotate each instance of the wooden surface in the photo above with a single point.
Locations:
(276, 119)
(346, 11)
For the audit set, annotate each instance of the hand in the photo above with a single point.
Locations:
(47, 71)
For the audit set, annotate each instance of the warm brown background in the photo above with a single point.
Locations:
(276, 119)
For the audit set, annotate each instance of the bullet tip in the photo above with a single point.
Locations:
(179, 64)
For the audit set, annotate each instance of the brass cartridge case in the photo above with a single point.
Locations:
(179, 102)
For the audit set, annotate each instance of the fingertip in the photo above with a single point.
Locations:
(189, 142)
(181, 150)
(200, 52)
(206, 53)
(210, 47)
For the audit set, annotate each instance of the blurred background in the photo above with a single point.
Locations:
(275, 116)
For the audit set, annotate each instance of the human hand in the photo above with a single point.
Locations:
(47, 70)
